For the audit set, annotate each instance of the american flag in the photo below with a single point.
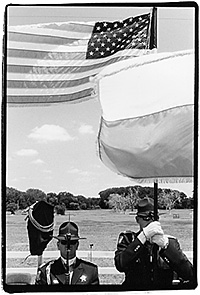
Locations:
(53, 63)
(108, 38)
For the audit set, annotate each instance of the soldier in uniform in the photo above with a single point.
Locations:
(67, 269)
(134, 254)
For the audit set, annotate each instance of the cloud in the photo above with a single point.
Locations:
(74, 171)
(47, 171)
(86, 129)
(27, 152)
(80, 172)
(37, 162)
(48, 133)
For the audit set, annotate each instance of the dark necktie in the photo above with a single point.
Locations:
(67, 274)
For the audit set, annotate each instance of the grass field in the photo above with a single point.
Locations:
(101, 228)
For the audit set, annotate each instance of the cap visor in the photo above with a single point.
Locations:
(143, 213)
(61, 238)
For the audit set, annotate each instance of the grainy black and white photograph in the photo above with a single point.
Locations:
(99, 153)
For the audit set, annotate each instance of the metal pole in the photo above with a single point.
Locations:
(155, 201)
(153, 29)
(155, 247)
(40, 260)
(67, 274)
(91, 245)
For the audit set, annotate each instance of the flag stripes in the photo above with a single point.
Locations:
(47, 62)
(49, 84)
(154, 154)
(51, 99)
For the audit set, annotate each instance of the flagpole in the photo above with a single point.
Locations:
(155, 247)
(153, 44)
(40, 260)
(153, 29)
(156, 200)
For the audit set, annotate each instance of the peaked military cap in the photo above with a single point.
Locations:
(68, 228)
(145, 206)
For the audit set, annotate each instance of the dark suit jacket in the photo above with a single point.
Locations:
(134, 259)
(53, 273)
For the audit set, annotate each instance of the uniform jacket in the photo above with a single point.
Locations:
(135, 260)
(53, 272)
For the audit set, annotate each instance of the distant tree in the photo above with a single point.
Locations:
(82, 201)
(93, 203)
(118, 202)
(60, 209)
(188, 203)
(11, 207)
(185, 202)
(74, 206)
(168, 198)
(132, 197)
(52, 199)
(23, 201)
(34, 195)
(12, 195)
(83, 206)
(104, 199)
(114, 202)
(66, 198)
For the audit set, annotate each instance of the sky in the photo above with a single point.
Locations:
(54, 148)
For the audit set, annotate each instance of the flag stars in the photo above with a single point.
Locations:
(109, 38)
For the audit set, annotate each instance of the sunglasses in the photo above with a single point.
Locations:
(64, 243)
(147, 218)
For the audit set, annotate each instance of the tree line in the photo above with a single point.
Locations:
(117, 198)
(124, 198)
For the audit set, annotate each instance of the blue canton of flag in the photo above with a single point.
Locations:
(109, 37)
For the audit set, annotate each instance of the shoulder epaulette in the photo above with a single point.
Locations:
(46, 264)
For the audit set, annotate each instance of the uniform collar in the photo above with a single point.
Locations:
(71, 261)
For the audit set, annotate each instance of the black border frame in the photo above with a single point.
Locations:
(99, 288)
